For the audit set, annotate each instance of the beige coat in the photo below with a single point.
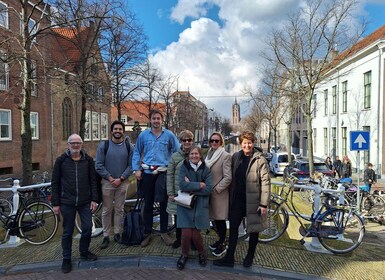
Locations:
(221, 177)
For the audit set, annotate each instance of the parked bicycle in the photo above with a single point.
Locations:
(97, 218)
(34, 220)
(338, 228)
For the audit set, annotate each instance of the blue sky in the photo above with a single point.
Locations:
(188, 38)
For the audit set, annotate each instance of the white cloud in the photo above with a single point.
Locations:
(221, 58)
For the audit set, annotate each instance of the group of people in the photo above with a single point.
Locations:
(227, 188)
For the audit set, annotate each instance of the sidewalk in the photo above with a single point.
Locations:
(273, 261)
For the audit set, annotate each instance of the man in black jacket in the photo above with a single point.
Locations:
(74, 190)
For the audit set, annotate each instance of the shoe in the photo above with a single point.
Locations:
(202, 259)
(181, 262)
(146, 240)
(248, 261)
(166, 239)
(176, 244)
(219, 251)
(117, 237)
(214, 245)
(66, 266)
(105, 242)
(88, 256)
(225, 261)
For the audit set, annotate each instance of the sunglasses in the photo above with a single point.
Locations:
(214, 141)
(75, 143)
(186, 140)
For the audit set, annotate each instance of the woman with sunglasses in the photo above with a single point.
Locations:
(249, 197)
(186, 137)
(219, 162)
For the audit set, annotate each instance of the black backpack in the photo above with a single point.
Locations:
(133, 228)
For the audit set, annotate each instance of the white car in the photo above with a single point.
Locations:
(279, 161)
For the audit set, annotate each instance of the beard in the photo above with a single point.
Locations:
(117, 135)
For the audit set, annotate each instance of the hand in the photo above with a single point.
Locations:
(138, 174)
(116, 182)
(56, 210)
(186, 179)
(263, 211)
(171, 197)
(93, 206)
(202, 185)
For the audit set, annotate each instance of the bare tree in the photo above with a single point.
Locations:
(305, 47)
(167, 88)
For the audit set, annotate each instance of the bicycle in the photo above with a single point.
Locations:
(34, 220)
(338, 228)
(129, 204)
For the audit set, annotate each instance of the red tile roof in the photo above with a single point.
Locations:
(136, 111)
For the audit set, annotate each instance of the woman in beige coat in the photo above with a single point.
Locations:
(219, 162)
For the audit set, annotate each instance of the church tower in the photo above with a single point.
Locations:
(236, 117)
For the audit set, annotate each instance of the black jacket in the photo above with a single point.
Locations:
(73, 182)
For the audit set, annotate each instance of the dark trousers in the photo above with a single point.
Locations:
(69, 214)
(220, 225)
(148, 184)
(235, 218)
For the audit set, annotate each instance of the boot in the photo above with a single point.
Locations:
(248, 261)
(66, 266)
(227, 260)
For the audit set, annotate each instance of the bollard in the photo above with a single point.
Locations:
(13, 239)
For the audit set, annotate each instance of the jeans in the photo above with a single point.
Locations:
(69, 214)
(148, 188)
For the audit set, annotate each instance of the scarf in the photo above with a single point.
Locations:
(195, 166)
(215, 156)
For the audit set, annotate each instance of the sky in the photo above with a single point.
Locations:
(214, 46)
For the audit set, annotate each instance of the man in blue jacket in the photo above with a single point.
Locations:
(74, 191)
(153, 150)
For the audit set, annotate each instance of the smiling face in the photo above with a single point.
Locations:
(117, 131)
(156, 121)
(215, 141)
(247, 147)
(75, 144)
(195, 155)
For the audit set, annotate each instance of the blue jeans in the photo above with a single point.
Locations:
(148, 185)
(69, 214)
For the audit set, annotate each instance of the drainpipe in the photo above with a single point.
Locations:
(379, 108)
(52, 127)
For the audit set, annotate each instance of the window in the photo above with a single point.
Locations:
(100, 93)
(5, 124)
(314, 105)
(315, 140)
(325, 141)
(344, 140)
(87, 135)
(90, 89)
(326, 102)
(33, 80)
(345, 96)
(4, 74)
(34, 125)
(67, 118)
(94, 66)
(334, 141)
(3, 15)
(366, 153)
(334, 96)
(103, 126)
(367, 89)
(95, 126)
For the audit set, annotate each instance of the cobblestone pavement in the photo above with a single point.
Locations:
(277, 260)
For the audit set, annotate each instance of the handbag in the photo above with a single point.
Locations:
(185, 199)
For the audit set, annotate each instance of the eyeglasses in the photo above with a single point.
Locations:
(215, 140)
(75, 143)
(186, 140)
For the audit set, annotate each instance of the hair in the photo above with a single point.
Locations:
(370, 164)
(195, 147)
(156, 111)
(247, 135)
(220, 136)
(117, 122)
(184, 134)
(74, 135)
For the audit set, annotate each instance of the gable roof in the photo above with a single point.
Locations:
(136, 111)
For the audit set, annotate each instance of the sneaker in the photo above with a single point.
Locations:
(166, 239)
(146, 240)
(105, 242)
(88, 256)
(214, 245)
(117, 237)
(66, 266)
(219, 251)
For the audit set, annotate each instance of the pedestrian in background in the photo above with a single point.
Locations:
(219, 162)
(249, 197)
(329, 163)
(186, 137)
(74, 191)
(369, 177)
(337, 164)
(346, 168)
(153, 150)
(194, 177)
(114, 166)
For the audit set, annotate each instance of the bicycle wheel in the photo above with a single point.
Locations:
(37, 223)
(277, 222)
(373, 206)
(5, 207)
(156, 218)
(97, 227)
(341, 231)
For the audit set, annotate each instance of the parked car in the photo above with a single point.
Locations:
(279, 161)
(205, 143)
(300, 169)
